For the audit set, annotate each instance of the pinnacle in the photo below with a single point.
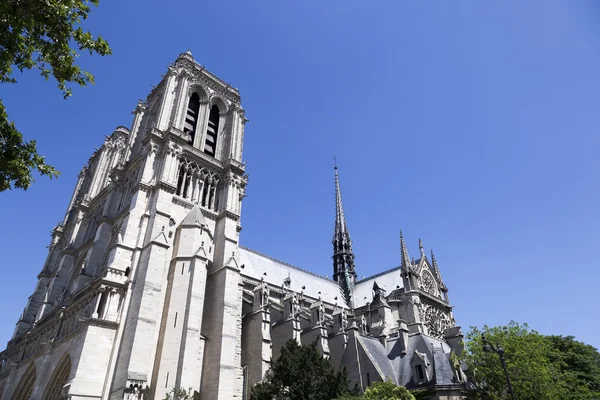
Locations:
(404, 252)
(341, 228)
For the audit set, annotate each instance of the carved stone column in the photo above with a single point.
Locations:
(167, 100)
(139, 112)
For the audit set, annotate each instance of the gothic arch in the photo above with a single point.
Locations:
(25, 386)
(59, 378)
(219, 102)
(200, 90)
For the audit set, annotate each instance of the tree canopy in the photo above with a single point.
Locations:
(387, 391)
(301, 373)
(540, 367)
(382, 391)
(578, 365)
(43, 35)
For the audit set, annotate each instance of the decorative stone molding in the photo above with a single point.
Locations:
(200, 75)
(151, 147)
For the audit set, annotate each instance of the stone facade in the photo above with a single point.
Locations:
(146, 288)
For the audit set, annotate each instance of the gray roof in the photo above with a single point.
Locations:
(424, 344)
(390, 363)
(256, 264)
(444, 374)
(378, 355)
(194, 218)
(364, 288)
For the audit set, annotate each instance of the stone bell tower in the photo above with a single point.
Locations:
(141, 291)
(197, 123)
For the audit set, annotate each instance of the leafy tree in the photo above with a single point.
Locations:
(301, 373)
(40, 35)
(526, 352)
(579, 366)
(540, 367)
(349, 396)
(382, 391)
(387, 391)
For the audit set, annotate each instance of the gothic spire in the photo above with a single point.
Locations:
(404, 253)
(436, 270)
(341, 228)
(343, 258)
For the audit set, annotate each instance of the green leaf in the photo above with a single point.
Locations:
(46, 36)
(540, 367)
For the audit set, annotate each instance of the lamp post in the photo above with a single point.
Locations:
(487, 346)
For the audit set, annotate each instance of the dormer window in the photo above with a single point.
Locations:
(419, 372)
(210, 143)
(419, 364)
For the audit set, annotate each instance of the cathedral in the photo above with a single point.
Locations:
(147, 288)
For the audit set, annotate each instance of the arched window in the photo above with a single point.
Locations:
(56, 386)
(191, 118)
(25, 386)
(210, 145)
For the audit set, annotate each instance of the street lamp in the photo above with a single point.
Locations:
(487, 347)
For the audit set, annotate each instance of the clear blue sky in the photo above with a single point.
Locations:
(471, 124)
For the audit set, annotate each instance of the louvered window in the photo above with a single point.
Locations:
(191, 117)
(210, 145)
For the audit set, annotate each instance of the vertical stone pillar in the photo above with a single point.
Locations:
(318, 331)
(202, 125)
(98, 172)
(411, 311)
(180, 345)
(222, 373)
(80, 179)
(258, 334)
(139, 112)
(338, 341)
(237, 128)
(403, 333)
(150, 171)
(289, 328)
(182, 100)
(168, 100)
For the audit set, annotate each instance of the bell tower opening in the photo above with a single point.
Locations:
(210, 143)
(191, 117)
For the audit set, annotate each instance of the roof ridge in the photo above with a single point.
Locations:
(378, 274)
(283, 262)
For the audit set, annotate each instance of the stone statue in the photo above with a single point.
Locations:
(363, 324)
(295, 306)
